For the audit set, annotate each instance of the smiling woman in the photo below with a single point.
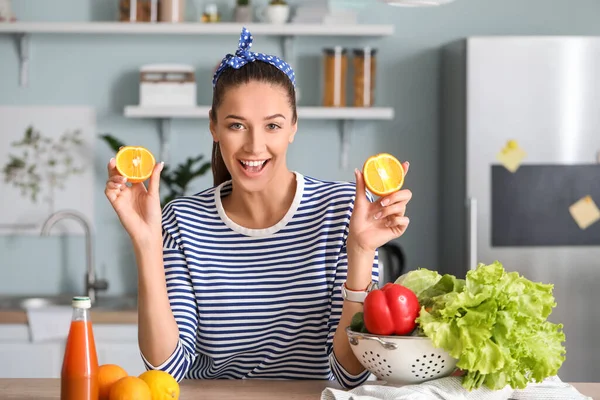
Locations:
(258, 276)
(254, 102)
(253, 121)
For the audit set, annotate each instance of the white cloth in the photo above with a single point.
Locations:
(49, 323)
(450, 388)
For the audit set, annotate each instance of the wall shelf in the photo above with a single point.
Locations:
(345, 115)
(287, 33)
(323, 113)
(22, 32)
(193, 28)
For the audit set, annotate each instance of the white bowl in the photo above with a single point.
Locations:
(402, 360)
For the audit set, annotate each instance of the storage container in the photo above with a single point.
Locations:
(138, 10)
(172, 10)
(170, 85)
(364, 76)
(335, 67)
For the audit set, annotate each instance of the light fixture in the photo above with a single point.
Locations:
(416, 3)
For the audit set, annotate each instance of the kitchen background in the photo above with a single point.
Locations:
(86, 81)
(101, 71)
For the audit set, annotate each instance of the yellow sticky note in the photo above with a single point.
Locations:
(511, 156)
(585, 212)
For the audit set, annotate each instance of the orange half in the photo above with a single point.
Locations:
(135, 163)
(383, 174)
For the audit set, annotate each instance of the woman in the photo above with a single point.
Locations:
(244, 280)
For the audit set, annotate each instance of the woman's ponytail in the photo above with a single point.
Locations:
(219, 169)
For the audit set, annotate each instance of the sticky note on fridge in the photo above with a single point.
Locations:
(511, 156)
(585, 212)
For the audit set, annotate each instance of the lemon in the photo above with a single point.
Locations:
(162, 385)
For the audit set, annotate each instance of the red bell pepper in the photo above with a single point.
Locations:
(391, 310)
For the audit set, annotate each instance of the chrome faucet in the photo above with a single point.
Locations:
(92, 285)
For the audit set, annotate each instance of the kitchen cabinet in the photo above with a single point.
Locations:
(21, 358)
(30, 360)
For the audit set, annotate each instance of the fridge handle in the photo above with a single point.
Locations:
(472, 232)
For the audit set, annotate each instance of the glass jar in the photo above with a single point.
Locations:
(364, 76)
(335, 66)
(172, 10)
(138, 10)
(6, 14)
(211, 13)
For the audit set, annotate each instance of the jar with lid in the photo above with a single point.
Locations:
(364, 76)
(335, 67)
(138, 10)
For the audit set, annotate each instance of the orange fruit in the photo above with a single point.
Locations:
(135, 163)
(130, 388)
(108, 374)
(383, 174)
(162, 385)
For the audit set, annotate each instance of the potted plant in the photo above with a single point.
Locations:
(277, 12)
(243, 11)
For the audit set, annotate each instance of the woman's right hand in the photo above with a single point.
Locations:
(138, 208)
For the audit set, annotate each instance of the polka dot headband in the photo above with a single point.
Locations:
(243, 56)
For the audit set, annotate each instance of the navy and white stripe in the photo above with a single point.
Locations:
(258, 303)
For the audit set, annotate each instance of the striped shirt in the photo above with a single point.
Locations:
(258, 303)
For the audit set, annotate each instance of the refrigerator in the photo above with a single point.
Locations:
(520, 173)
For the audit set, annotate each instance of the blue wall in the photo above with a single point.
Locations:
(101, 71)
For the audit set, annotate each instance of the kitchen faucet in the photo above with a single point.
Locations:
(91, 283)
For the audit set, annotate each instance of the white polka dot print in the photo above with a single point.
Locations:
(243, 56)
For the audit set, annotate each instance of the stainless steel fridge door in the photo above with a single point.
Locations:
(543, 92)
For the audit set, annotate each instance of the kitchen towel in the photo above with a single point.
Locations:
(450, 388)
(49, 323)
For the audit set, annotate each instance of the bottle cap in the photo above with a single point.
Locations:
(81, 302)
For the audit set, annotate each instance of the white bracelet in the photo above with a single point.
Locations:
(357, 296)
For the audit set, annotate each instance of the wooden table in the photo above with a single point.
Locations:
(45, 389)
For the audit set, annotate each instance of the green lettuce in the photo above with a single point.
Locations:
(494, 323)
(419, 280)
(428, 284)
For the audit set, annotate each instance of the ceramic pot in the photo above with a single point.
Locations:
(243, 14)
(274, 14)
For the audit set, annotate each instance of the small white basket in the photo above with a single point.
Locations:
(402, 360)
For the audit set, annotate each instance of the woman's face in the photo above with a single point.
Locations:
(254, 128)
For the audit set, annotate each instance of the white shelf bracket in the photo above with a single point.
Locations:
(287, 47)
(164, 130)
(345, 132)
(23, 40)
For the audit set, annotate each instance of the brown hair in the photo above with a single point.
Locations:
(230, 78)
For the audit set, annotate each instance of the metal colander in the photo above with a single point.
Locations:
(401, 360)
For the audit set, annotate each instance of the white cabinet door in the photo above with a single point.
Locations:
(117, 344)
(21, 358)
(126, 355)
(30, 360)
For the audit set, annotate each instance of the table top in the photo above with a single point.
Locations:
(46, 389)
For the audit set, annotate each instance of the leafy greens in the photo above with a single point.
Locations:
(494, 322)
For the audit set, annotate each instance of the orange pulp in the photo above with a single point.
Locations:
(136, 163)
(383, 174)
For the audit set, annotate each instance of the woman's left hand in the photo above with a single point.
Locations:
(374, 224)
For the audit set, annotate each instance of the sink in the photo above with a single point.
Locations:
(114, 303)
